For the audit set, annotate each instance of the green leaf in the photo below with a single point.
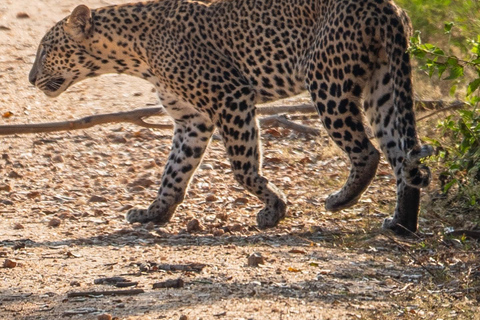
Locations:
(448, 27)
(449, 185)
(473, 86)
(455, 72)
(441, 69)
(453, 89)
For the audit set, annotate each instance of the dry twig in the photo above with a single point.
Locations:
(174, 283)
(105, 293)
(137, 117)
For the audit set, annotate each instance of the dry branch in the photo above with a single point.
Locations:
(105, 293)
(280, 120)
(173, 283)
(196, 267)
(137, 117)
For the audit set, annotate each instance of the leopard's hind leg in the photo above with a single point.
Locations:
(336, 81)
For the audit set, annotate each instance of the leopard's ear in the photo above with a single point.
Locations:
(80, 24)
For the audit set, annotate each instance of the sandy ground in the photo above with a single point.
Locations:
(64, 196)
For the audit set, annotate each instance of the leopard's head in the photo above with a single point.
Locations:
(63, 56)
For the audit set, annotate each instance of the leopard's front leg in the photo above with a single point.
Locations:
(191, 138)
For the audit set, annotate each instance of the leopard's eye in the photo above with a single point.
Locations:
(43, 53)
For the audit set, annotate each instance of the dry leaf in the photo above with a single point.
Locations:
(297, 251)
(7, 114)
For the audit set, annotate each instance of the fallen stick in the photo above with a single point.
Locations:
(109, 280)
(474, 234)
(175, 283)
(105, 293)
(136, 117)
(281, 120)
(197, 267)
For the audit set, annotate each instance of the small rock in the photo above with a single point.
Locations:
(150, 226)
(194, 225)
(183, 317)
(315, 229)
(14, 175)
(5, 187)
(125, 208)
(33, 194)
(22, 15)
(211, 197)
(97, 199)
(117, 138)
(75, 283)
(222, 216)
(105, 316)
(241, 200)
(206, 166)
(236, 228)
(136, 189)
(6, 202)
(255, 259)
(218, 232)
(10, 264)
(54, 222)
(19, 245)
(18, 226)
(145, 183)
(58, 159)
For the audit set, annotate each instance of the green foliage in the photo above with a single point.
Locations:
(428, 16)
(459, 146)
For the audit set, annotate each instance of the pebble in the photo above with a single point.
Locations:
(150, 226)
(22, 15)
(54, 222)
(58, 159)
(255, 259)
(5, 187)
(14, 175)
(97, 199)
(10, 264)
(218, 232)
(18, 226)
(236, 228)
(194, 225)
(104, 316)
(211, 197)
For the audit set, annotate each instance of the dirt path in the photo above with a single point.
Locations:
(64, 196)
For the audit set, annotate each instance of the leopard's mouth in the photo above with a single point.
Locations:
(52, 87)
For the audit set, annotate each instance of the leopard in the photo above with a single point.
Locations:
(213, 61)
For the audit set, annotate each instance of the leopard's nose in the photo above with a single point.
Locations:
(32, 76)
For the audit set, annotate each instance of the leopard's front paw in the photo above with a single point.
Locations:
(269, 217)
(137, 215)
(156, 213)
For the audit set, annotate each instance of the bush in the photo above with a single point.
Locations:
(459, 145)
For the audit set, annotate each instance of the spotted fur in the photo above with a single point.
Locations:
(212, 61)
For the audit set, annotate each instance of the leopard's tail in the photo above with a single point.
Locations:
(409, 151)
